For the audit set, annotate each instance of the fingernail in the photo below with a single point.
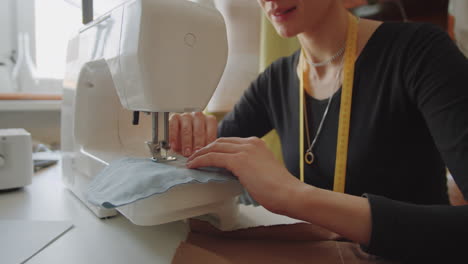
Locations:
(187, 152)
(188, 164)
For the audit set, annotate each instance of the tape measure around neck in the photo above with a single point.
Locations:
(345, 108)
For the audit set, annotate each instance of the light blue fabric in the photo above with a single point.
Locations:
(128, 180)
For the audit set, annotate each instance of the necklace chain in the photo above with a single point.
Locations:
(309, 156)
(332, 58)
(328, 61)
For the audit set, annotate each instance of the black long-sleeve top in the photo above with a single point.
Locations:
(409, 121)
(413, 233)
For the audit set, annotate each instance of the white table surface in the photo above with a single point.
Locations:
(92, 240)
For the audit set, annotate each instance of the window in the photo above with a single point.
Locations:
(56, 22)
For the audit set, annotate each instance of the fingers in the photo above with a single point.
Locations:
(174, 139)
(211, 129)
(237, 140)
(212, 159)
(218, 148)
(229, 145)
(186, 129)
(199, 131)
(191, 131)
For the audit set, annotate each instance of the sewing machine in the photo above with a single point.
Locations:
(126, 70)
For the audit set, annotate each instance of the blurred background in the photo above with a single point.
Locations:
(34, 36)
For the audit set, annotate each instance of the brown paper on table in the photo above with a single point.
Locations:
(295, 243)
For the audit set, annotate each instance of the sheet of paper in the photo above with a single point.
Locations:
(20, 240)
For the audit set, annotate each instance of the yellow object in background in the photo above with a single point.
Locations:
(272, 48)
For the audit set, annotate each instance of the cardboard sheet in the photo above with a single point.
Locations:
(281, 244)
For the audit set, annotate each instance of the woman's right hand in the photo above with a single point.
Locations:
(190, 132)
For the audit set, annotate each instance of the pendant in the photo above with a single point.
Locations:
(309, 157)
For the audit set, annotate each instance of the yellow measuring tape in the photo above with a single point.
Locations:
(345, 108)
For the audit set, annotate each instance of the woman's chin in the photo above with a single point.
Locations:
(286, 33)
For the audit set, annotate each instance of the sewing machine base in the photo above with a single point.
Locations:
(219, 200)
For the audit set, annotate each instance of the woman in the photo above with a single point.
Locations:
(408, 122)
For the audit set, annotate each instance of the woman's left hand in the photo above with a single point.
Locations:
(264, 177)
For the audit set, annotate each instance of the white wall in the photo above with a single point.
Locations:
(7, 44)
(15, 16)
(6, 28)
(25, 17)
(19, 16)
(99, 6)
(44, 126)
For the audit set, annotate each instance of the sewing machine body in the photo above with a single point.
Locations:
(148, 56)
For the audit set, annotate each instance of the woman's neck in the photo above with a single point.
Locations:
(326, 37)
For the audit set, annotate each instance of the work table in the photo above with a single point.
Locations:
(93, 240)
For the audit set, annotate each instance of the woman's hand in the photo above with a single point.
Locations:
(266, 179)
(191, 131)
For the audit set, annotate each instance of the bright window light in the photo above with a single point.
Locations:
(56, 22)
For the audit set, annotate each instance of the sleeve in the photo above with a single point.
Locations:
(416, 233)
(250, 116)
(437, 76)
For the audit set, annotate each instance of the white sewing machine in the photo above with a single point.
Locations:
(154, 57)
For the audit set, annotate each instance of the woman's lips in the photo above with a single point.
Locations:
(281, 15)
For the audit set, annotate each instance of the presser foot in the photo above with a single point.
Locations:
(169, 158)
(160, 152)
